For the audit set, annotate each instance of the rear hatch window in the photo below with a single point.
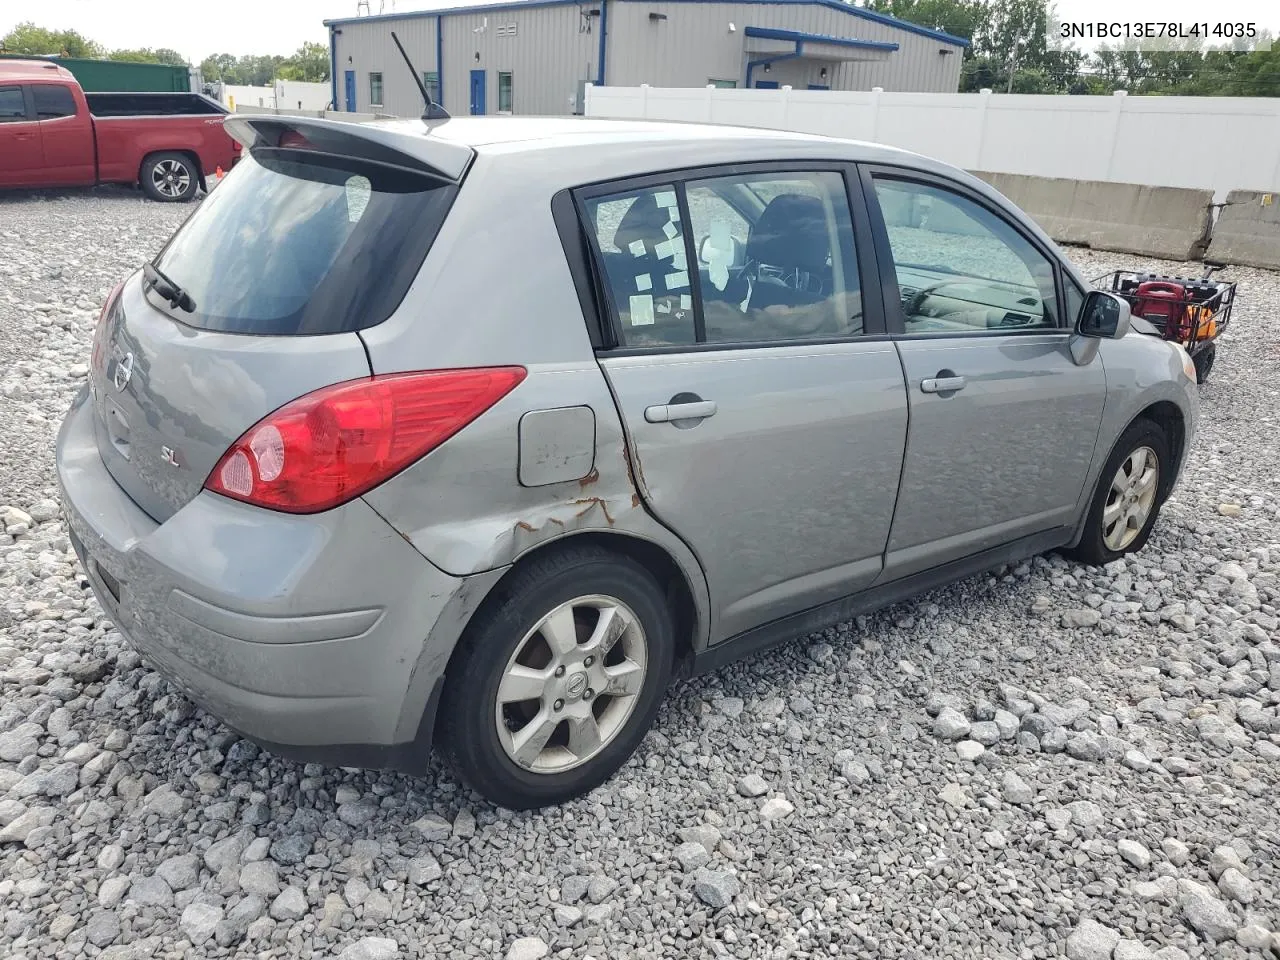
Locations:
(299, 243)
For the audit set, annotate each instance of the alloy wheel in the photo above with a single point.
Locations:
(170, 178)
(571, 684)
(1131, 498)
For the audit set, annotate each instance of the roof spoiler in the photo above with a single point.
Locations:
(372, 142)
(432, 110)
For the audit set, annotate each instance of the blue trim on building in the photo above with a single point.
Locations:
(530, 4)
(604, 27)
(440, 58)
(333, 69)
(752, 64)
(768, 33)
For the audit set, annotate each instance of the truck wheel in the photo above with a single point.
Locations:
(169, 177)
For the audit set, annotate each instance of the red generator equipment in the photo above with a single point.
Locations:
(1192, 312)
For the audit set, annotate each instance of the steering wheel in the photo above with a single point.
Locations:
(789, 280)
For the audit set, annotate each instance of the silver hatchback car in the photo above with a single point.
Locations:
(473, 433)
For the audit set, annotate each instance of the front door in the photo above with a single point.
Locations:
(350, 79)
(767, 429)
(766, 84)
(1003, 422)
(21, 156)
(477, 93)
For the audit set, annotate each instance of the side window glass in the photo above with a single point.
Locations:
(52, 101)
(960, 268)
(641, 241)
(776, 257)
(12, 105)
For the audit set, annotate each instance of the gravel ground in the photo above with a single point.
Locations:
(1045, 761)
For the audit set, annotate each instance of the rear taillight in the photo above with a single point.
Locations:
(100, 331)
(338, 442)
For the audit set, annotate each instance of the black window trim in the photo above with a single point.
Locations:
(27, 104)
(892, 305)
(603, 323)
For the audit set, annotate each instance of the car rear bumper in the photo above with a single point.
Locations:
(323, 637)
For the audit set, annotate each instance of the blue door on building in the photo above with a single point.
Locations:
(766, 84)
(351, 91)
(477, 93)
(819, 86)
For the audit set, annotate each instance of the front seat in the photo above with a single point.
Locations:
(788, 250)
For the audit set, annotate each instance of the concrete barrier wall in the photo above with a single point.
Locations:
(1172, 223)
(1248, 230)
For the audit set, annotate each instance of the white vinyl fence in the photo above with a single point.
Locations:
(1215, 143)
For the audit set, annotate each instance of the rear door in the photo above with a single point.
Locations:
(765, 409)
(20, 153)
(1003, 422)
(66, 136)
(300, 247)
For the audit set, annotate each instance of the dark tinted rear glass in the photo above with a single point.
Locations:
(52, 101)
(291, 244)
(12, 105)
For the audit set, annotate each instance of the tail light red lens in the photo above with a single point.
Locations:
(334, 444)
(100, 331)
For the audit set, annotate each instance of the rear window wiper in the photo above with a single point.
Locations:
(162, 285)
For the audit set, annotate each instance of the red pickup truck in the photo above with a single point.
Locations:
(53, 134)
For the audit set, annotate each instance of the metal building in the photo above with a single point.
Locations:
(536, 56)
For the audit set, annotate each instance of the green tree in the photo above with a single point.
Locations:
(30, 39)
(219, 68)
(148, 55)
(960, 18)
(309, 62)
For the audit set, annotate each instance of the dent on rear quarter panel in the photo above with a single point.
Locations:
(464, 507)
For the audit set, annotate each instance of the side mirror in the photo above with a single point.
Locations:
(1104, 316)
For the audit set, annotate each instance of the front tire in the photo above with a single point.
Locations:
(169, 177)
(1130, 492)
(558, 678)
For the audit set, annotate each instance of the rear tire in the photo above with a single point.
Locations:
(1120, 519)
(1203, 362)
(565, 732)
(169, 177)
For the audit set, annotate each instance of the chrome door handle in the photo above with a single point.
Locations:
(942, 384)
(670, 412)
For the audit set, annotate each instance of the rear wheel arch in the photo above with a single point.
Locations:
(654, 558)
(660, 564)
(541, 581)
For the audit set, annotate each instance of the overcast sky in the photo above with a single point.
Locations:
(198, 29)
(280, 26)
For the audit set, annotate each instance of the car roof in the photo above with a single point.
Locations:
(543, 132)
(33, 69)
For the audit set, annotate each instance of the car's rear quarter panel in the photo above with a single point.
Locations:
(496, 290)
